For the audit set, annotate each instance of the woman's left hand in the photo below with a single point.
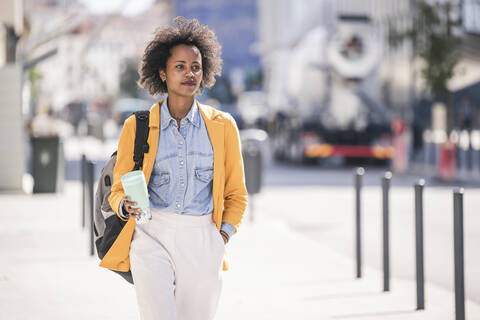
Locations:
(224, 236)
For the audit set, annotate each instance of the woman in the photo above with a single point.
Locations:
(194, 170)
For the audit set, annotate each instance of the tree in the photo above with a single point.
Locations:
(435, 43)
(128, 79)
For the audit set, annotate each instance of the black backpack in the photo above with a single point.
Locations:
(107, 225)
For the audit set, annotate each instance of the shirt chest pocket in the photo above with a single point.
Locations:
(160, 187)
(202, 184)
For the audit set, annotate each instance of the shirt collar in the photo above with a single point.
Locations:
(166, 118)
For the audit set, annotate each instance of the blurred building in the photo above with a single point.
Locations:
(90, 57)
(235, 23)
(284, 23)
(12, 162)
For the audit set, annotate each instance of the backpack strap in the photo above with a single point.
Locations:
(141, 136)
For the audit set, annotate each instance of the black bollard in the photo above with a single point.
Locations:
(458, 252)
(83, 173)
(90, 178)
(386, 243)
(358, 245)
(419, 244)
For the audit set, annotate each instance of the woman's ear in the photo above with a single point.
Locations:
(162, 74)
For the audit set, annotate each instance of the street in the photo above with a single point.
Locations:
(319, 203)
(294, 261)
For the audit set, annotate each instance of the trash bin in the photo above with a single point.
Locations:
(252, 140)
(48, 167)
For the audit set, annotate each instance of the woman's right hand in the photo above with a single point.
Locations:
(127, 207)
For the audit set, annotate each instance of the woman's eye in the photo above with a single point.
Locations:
(196, 68)
(179, 66)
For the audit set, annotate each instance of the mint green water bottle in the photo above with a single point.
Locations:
(135, 187)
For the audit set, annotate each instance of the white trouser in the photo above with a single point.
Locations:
(176, 263)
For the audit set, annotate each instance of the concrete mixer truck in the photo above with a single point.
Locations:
(330, 104)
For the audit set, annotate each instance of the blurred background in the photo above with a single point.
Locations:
(333, 83)
(319, 87)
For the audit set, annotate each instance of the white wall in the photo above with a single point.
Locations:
(12, 161)
(12, 146)
(11, 12)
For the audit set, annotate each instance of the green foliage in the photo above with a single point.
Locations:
(128, 79)
(433, 40)
(34, 76)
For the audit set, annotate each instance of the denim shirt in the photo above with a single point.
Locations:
(182, 176)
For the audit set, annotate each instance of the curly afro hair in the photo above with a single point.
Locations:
(157, 52)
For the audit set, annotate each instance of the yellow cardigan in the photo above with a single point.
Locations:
(229, 191)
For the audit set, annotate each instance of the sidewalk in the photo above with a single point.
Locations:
(291, 277)
(46, 273)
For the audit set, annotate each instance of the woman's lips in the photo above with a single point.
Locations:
(190, 84)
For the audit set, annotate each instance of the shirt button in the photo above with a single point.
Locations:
(178, 205)
(181, 142)
(181, 162)
(182, 184)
